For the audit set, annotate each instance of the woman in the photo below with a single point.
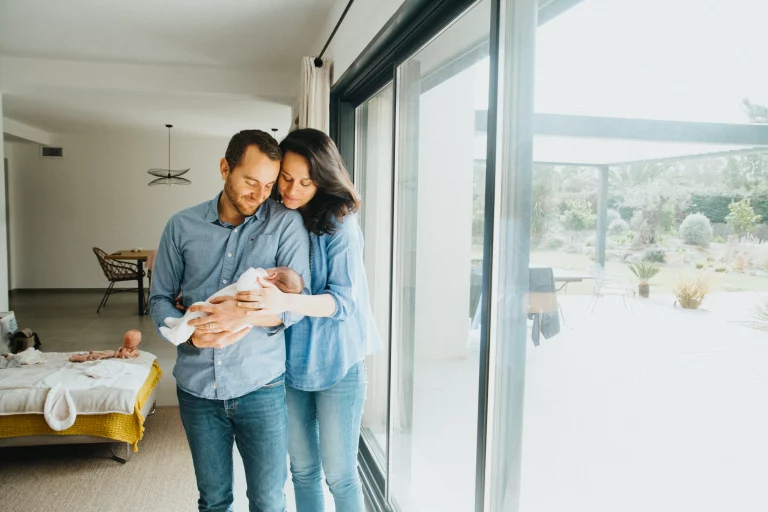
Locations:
(325, 373)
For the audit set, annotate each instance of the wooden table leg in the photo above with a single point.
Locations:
(141, 288)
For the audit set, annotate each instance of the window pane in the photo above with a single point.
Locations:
(642, 399)
(438, 260)
(627, 59)
(373, 180)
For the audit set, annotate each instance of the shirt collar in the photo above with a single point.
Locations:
(213, 211)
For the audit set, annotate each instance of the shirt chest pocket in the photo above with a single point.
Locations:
(259, 251)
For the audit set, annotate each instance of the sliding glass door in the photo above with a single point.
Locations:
(421, 415)
(438, 252)
(373, 180)
(429, 155)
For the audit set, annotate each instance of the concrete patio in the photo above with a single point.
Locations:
(650, 408)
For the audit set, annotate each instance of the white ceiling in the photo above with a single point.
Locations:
(271, 33)
(89, 111)
(206, 66)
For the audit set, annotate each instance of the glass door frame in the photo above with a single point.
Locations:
(414, 24)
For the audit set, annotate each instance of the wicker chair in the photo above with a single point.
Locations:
(116, 271)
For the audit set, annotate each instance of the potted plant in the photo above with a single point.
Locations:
(644, 272)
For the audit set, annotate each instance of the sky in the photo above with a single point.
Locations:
(684, 60)
(687, 60)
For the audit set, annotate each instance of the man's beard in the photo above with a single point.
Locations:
(240, 206)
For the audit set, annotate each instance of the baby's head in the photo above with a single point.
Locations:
(286, 279)
(132, 338)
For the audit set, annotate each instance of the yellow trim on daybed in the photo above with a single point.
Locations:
(128, 428)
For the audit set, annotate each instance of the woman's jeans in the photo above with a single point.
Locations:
(257, 423)
(323, 436)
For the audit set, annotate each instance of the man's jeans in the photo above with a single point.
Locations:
(257, 422)
(324, 433)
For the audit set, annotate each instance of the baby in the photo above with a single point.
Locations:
(129, 350)
(178, 330)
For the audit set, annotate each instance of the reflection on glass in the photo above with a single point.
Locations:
(373, 179)
(627, 59)
(648, 391)
(438, 256)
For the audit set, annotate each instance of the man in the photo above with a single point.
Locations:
(230, 384)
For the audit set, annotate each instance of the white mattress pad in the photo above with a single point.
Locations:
(24, 390)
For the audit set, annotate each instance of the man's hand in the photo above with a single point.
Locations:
(218, 340)
(223, 315)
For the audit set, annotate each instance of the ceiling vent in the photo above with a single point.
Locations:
(51, 152)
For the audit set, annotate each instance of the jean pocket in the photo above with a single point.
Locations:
(274, 384)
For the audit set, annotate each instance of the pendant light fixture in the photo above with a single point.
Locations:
(168, 176)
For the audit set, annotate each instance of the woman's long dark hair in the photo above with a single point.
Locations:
(335, 197)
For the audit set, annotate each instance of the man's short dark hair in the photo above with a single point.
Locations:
(240, 142)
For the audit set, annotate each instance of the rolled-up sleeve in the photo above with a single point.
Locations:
(166, 278)
(293, 252)
(345, 264)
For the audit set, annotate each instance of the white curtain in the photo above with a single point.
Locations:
(315, 95)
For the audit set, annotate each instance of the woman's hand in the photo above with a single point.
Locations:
(178, 304)
(267, 301)
(224, 315)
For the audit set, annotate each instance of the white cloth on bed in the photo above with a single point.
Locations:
(27, 357)
(25, 390)
(104, 369)
(9, 362)
(178, 330)
(31, 356)
(59, 410)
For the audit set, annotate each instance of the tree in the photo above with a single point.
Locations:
(746, 174)
(579, 215)
(627, 177)
(756, 113)
(742, 218)
(543, 209)
(659, 204)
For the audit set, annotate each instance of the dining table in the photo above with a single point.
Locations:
(139, 256)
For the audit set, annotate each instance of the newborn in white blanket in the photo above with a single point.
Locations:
(287, 280)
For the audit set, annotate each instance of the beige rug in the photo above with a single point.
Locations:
(83, 478)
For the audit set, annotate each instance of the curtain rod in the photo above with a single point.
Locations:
(319, 58)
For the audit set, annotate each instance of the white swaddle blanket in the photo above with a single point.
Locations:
(178, 330)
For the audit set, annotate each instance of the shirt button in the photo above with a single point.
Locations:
(235, 231)
(219, 363)
(224, 281)
(229, 255)
(214, 385)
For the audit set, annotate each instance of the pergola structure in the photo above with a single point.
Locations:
(606, 142)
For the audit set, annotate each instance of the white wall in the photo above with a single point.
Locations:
(3, 221)
(23, 131)
(8, 149)
(364, 20)
(97, 195)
